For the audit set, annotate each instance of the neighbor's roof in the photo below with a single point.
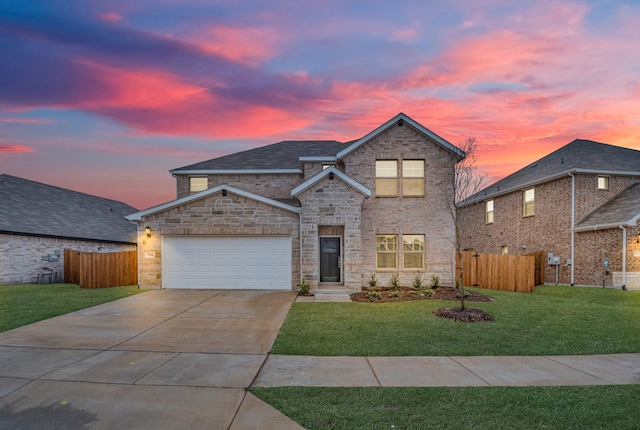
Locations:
(622, 209)
(578, 156)
(282, 156)
(33, 208)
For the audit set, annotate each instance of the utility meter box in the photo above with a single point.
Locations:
(552, 260)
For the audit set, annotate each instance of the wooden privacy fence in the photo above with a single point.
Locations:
(101, 270)
(499, 272)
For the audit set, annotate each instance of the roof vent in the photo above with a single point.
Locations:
(534, 165)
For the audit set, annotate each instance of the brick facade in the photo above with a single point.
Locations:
(21, 257)
(406, 215)
(549, 229)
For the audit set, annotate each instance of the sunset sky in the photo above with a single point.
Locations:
(105, 96)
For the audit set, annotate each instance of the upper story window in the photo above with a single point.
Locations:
(504, 250)
(386, 251)
(413, 251)
(488, 211)
(603, 182)
(197, 184)
(413, 177)
(387, 177)
(528, 202)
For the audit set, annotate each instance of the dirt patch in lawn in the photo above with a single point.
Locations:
(388, 295)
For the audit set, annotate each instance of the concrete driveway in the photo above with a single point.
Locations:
(163, 359)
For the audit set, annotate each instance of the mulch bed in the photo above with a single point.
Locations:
(407, 294)
(441, 293)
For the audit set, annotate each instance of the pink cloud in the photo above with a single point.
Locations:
(247, 45)
(110, 17)
(13, 149)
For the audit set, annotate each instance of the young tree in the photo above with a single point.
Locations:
(465, 182)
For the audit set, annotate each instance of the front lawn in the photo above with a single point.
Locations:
(25, 304)
(554, 320)
(592, 407)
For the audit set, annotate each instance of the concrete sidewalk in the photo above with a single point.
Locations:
(615, 369)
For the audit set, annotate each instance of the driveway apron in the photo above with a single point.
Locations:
(162, 359)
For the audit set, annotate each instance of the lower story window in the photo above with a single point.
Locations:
(413, 251)
(386, 251)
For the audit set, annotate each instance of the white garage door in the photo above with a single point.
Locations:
(226, 262)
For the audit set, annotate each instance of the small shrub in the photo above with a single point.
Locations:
(435, 281)
(426, 291)
(373, 281)
(374, 295)
(395, 293)
(394, 281)
(417, 281)
(303, 286)
(465, 294)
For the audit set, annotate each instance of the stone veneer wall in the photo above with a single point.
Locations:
(550, 228)
(331, 203)
(212, 216)
(406, 215)
(21, 256)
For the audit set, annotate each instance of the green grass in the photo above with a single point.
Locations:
(25, 304)
(592, 407)
(553, 320)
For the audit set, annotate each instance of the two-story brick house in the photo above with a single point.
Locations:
(580, 203)
(334, 213)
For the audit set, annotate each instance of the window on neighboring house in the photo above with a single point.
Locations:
(197, 184)
(603, 182)
(387, 177)
(504, 250)
(386, 251)
(413, 251)
(488, 211)
(413, 177)
(528, 202)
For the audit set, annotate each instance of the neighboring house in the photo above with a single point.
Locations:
(333, 213)
(580, 203)
(38, 221)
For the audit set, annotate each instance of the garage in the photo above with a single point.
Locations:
(227, 262)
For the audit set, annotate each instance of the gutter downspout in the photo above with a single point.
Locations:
(573, 223)
(137, 247)
(300, 239)
(624, 257)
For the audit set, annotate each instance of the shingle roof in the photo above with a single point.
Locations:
(278, 156)
(622, 209)
(33, 208)
(579, 155)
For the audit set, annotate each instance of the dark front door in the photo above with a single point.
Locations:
(329, 259)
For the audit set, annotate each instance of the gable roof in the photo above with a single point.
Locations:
(579, 156)
(285, 156)
(401, 119)
(37, 209)
(327, 172)
(202, 194)
(621, 209)
(282, 157)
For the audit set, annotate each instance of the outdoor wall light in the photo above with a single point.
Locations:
(224, 193)
(638, 239)
(147, 230)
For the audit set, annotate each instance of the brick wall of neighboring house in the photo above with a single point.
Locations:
(331, 203)
(596, 247)
(214, 215)
(21, 256)
(274, 186)
(548, 230)
(406, 215)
